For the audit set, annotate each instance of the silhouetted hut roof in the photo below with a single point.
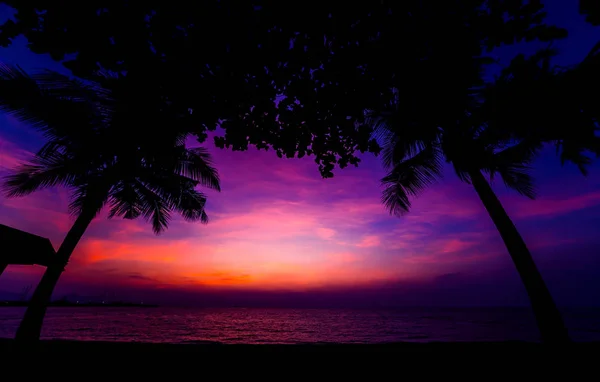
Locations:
(23, 248)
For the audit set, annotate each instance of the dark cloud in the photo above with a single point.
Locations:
(574, 286)
(139, 276)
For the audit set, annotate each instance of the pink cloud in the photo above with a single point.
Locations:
(553, 205)
(325, 233)
(456, 245)
(369, 241)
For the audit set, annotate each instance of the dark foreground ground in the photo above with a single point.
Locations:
(8, 345)
(484, 361)
(446, 348)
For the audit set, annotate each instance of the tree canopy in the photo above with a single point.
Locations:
(591, 10)
(93, 150)
(535, 101)
(292, 76)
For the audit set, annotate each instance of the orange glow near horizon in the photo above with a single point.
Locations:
(278, 226)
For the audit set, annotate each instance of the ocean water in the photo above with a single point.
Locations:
(292, 326)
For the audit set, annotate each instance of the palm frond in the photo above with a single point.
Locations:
(176, 191)
(410, 177)
(196, 164)
(513, 164)
(41, 172)
(523, 152)
(62, 86)
(125, 201)
(460, 148)
(89, 196)
(191, 206)
(461, 172)
(166, 184)
(576, 154)
(517, 177)
(180, 138)
(397, 139)
(94, 101)
(59, 107)
(153, 208)
(13, 73)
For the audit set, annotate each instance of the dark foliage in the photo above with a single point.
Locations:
(591, 10)
(105, 150)
(324, 62)
(535, 101)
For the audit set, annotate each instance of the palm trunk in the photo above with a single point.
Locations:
(31, 325)
(550, 323)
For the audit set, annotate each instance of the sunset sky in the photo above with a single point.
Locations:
(281, 234)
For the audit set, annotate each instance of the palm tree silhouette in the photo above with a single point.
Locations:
(414, 156)
(94, 151)
(531, 103)
(535, 100)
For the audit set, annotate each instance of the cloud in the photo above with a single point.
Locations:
(139, 276)
(369, 241)
(554, 206)
(325, 233)
(278, 226)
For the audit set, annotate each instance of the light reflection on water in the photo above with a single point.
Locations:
(251, 326)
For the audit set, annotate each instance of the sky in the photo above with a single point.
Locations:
(280, 235)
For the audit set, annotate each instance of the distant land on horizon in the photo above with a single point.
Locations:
(62, 303)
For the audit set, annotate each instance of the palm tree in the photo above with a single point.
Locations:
(93, 151)
(530, 104)
(414, 156)
(532, 99)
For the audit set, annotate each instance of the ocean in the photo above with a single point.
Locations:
(293, 326)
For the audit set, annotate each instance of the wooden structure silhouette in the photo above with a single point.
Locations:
(23, 248)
